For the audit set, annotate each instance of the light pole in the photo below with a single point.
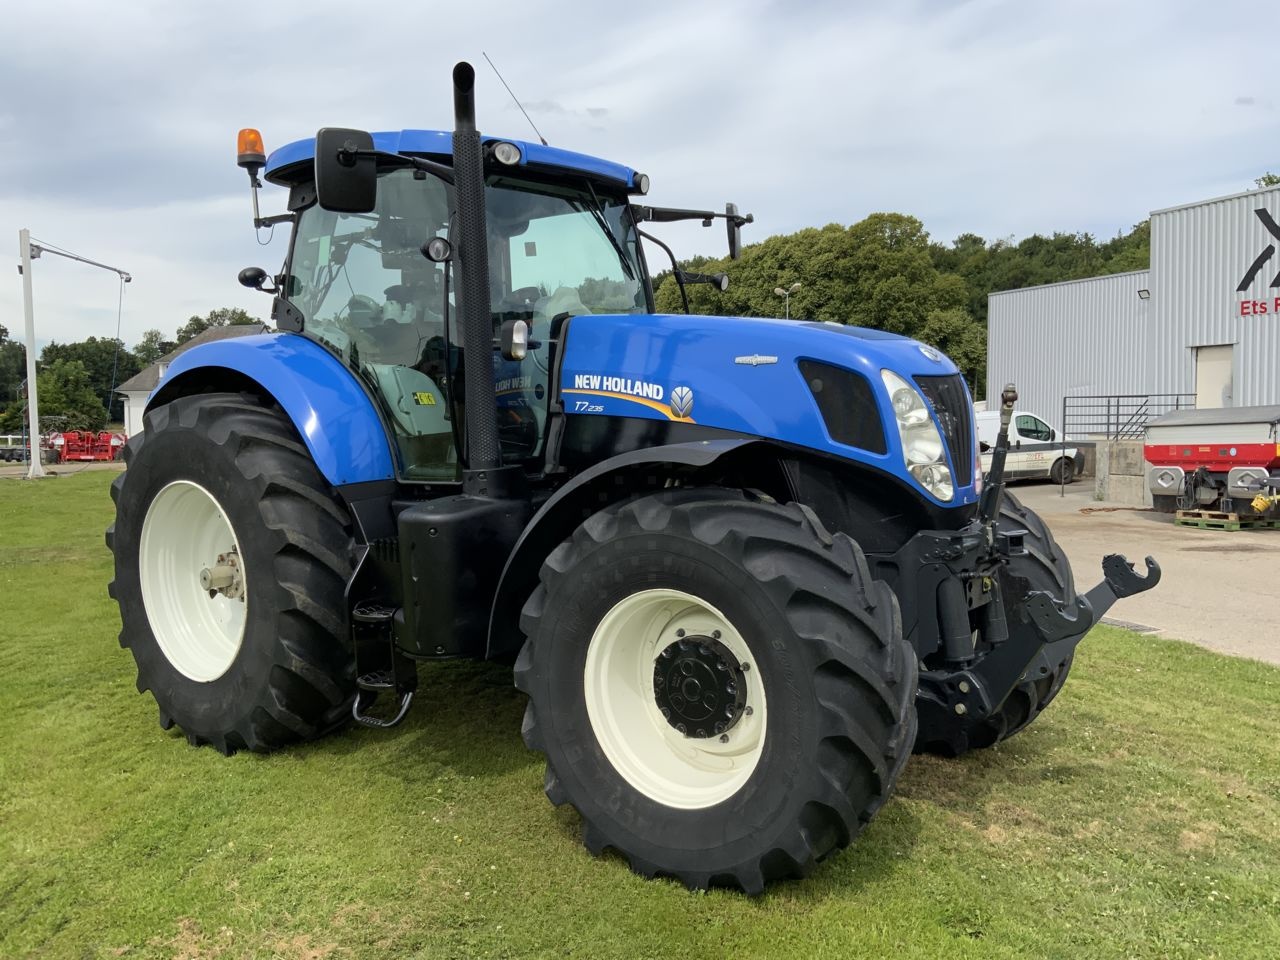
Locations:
(786, 295)
(28, 251)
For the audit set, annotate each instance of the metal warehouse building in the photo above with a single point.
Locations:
(1202, 325)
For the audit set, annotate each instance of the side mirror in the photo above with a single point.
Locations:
(1053, 434)
(346, 181)
(254, 278)
(735, 230)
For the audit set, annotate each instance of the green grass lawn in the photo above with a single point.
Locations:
(1140, 817)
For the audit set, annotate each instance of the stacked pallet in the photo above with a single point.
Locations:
(1216, 520)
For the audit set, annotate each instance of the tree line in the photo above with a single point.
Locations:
(75, 381)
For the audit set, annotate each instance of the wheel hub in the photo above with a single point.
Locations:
(698, 686)
(223, 577)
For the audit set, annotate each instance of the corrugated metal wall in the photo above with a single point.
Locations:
(1079, 338)
(1200, 254)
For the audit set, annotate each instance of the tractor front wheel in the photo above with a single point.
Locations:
(720, 688)
(1045, 567)
(231, 556)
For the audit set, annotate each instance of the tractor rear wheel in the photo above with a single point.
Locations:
(1046, 567)
(230, 550)
(720, 688)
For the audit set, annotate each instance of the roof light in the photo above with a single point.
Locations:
(642, 183)
(250, 153)
(507, 153)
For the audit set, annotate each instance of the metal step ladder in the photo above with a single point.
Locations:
(380, 667)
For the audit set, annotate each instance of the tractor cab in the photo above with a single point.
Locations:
(561, 238)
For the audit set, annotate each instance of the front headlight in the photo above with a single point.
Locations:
(922, 448)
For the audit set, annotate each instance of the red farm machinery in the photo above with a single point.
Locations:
(1216, 468)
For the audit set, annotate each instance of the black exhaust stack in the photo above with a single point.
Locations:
(483, 453)
(453, 548)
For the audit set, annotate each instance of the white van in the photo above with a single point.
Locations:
(1035, 449)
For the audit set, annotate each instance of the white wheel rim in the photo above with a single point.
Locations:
(184, 532)
(689, 773)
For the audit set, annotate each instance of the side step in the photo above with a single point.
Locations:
(380, 667)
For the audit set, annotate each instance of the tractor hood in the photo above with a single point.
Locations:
(756, 377)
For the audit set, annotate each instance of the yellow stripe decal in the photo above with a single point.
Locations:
(662, 408)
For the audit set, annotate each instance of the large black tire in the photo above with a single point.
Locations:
(1046, 567)
(293, 676)
(826, 643)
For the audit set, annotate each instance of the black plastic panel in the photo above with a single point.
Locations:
(847, 404)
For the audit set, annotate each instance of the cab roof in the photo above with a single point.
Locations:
(293, 162)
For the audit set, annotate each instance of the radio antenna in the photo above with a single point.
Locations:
(541, 138)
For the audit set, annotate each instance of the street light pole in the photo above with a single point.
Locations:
(786, 295)
(34, 467)
(27, 251)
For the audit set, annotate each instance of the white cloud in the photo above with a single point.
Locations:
(1001, 118)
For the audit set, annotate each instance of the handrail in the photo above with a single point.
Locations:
(1116, 416)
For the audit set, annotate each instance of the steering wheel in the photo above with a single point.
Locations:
(519, 300)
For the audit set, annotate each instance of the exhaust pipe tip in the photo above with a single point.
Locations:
(464, 100)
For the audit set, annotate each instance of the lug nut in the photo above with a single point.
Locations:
(961, 709)
(724, 738)
(964, 686)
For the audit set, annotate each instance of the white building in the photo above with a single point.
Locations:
(1202, 325)
(137, 388)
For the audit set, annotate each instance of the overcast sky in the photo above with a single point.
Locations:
(118, 120)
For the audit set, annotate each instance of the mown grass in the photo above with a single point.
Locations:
(1140, 817)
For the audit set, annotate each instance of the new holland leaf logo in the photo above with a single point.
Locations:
(682, 401)
(1267, 252)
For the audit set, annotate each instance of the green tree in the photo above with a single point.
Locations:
(66, 396)
(13, 367)
(221, 317)
(152, 347)
(874, 273)
(107, 362)
(1268, 179)
(956, 334)
(1006, 265)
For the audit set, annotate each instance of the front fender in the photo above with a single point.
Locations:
(329, 408)
(582, 496)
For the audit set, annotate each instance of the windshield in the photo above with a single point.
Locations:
(566, 245)
(367, 293)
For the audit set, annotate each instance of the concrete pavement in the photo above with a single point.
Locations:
(1218, 589)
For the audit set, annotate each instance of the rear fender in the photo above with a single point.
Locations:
(330, 409)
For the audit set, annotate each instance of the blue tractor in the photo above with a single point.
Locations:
(744, 567)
